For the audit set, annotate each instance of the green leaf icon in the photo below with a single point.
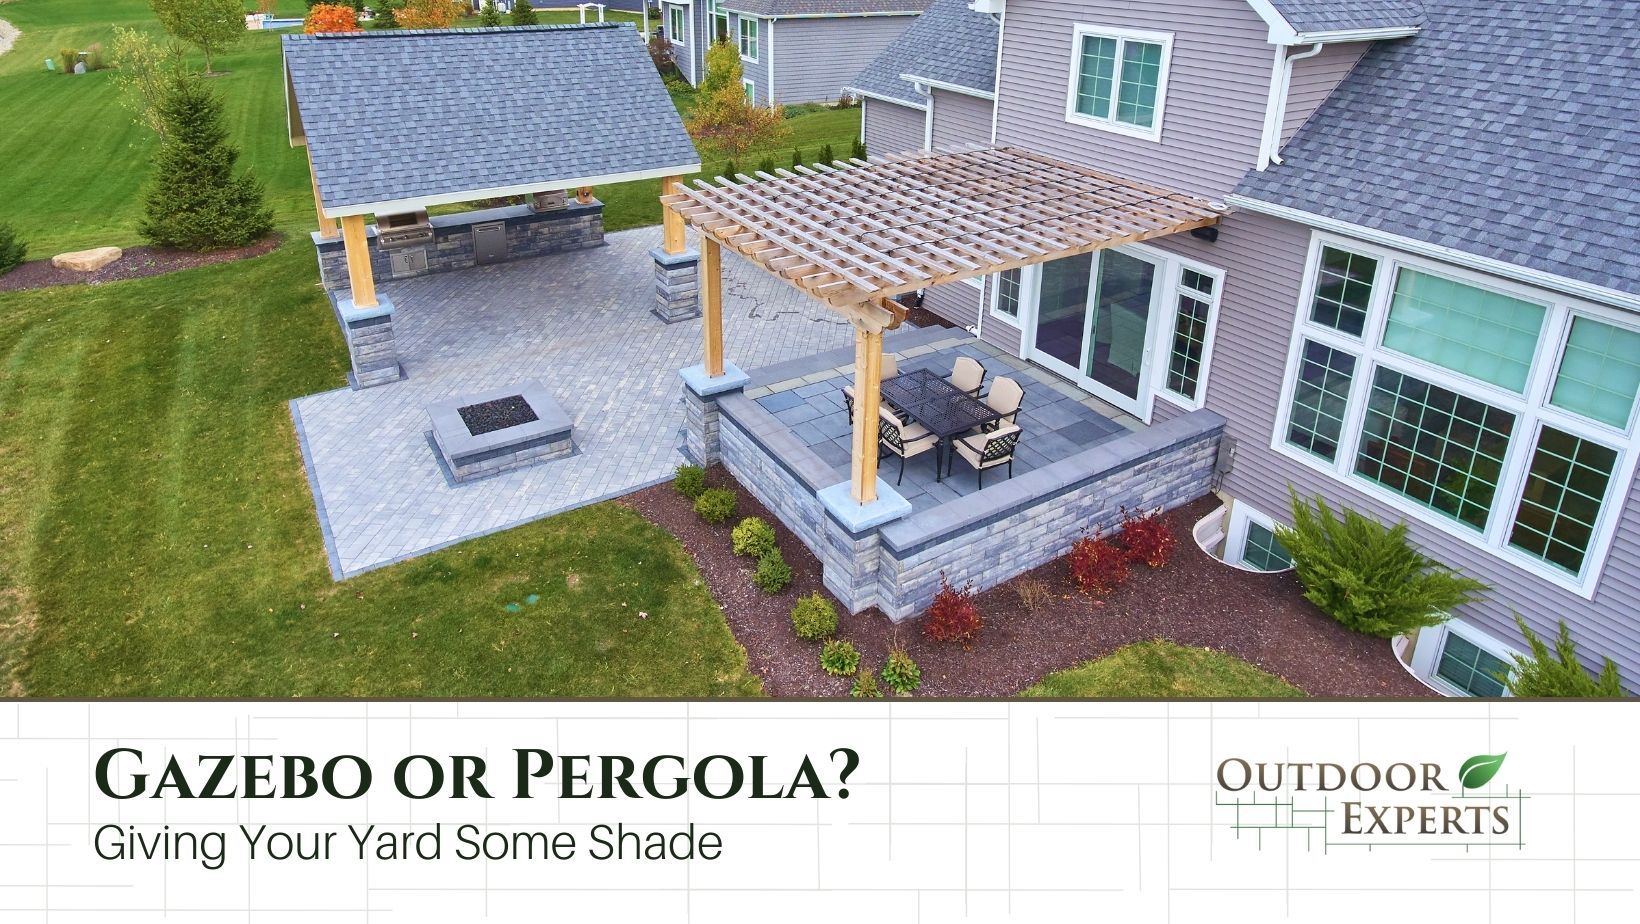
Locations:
(1477, 771)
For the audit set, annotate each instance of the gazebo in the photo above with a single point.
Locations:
(403, 124)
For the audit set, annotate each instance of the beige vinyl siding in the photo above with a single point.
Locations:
(960, 119)
(817, 58)
(889, 127)
(1314, 79)
(1217, 90)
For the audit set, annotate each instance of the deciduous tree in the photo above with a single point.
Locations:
(723, 120)
(144, 68)
(331, 17)
(209, 25)
(429, 14)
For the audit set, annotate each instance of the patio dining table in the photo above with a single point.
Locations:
(942, 408)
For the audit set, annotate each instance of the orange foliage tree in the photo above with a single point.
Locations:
(331, 17)
(430, 14)
(723, 120)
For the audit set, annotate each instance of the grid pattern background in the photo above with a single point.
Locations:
(1433, 445)
(1343, 289)
(1320, 397)
(1564, 488)
(1474, 332)
(1599, 373)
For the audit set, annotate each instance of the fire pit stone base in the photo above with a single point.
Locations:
(542, 433)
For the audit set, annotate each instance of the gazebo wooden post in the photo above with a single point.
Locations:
(868, 379)
(327, 225)
(671, 221)
(711, 287)
(359, 278)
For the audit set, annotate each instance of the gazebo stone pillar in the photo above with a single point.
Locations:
(677, 285)
(371, 346)
(700, 408)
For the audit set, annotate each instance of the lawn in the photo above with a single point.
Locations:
(1163, 670)
(159, 538)
(72, 154)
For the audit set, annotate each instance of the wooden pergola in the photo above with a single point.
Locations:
(858, 233)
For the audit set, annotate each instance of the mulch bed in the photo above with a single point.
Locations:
(1193, 600)
(134, 263)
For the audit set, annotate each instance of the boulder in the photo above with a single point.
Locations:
(87, 260)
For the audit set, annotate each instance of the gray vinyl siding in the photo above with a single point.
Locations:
(1264, 262)
(1314, 80)
(816, 58)
(960, 119)
(889, 127)
(957, 302)
(1218, 88)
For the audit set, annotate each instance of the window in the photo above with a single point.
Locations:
(675, 29)
(1471, 668)
(1262, 551)
(748, 38)
(1194, 299)
(1118, 79)
(1497, 412)
(717, 20)
(1005, 300)
(750, 89)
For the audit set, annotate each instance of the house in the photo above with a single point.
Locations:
(1422, 303)
(791, 51)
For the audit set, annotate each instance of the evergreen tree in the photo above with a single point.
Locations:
(1558, 673)
(523, 14)
(194, 201)
(489, 15)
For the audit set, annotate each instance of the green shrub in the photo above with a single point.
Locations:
(730, 168)
(826, 155)
(859, 149)
(901, 673)
(753, 538)
(814, 617)
(387, 14)
(865, 687)
(839, 658)
(766, 165)
(689, 480)
(1368, 576)
(523, 14)
(12, 249)
(66, 59)
(773, 574)
(1558, 673)
(716, 505)
(194, 201)
(797, 158)
(489, 15)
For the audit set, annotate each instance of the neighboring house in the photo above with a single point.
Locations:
(1424, 305)
(791, 51)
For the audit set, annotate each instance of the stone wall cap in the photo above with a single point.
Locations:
(695, 377)
(857, 517)
(351, 313)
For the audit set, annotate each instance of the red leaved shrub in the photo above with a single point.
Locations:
(1098, 566)
(953, 617)
(1147, 538)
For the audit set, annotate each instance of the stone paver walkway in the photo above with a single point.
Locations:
(580, 324)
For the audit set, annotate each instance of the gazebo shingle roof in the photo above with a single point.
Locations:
(418, 117)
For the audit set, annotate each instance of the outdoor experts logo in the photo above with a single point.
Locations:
(1370, 804)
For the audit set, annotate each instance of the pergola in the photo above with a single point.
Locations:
(858, 233)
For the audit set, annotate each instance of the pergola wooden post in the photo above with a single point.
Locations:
(327, 225)
(671, 221)
(359, 278)
(711, 292)
(868, 383)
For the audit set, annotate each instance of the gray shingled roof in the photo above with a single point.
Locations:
(949, 43)
(408, 114)
(823, 7)
(1506, 129)
(1338, 15)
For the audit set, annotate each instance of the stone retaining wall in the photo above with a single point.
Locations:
(529, 234)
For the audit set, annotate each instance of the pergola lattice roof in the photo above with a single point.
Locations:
(859, 233)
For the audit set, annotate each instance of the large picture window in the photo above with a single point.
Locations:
(1119, 79)
(1499, 413)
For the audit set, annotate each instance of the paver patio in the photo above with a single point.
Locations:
(579, 323)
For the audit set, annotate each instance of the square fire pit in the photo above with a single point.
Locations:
(499, 430)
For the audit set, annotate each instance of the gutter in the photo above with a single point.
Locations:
(949, 87)
(885, 99)
(1543, 280)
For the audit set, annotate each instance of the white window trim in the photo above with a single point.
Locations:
(675, 35)
(1014, 320)
(715, 10)
(740, 38)
(1084, 30)
(749, 89)
(1426, 654)
(1530, 409)
(1235, 535)
(1176, 289)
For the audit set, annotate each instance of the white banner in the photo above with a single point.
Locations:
(819, 811)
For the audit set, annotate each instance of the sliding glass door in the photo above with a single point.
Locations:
(1093, 323)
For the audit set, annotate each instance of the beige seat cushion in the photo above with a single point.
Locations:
(971, 448)
(915, 436)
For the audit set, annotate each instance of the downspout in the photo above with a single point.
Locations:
(1275, 111)
(928, 114)
(774, 102)
(996, 79)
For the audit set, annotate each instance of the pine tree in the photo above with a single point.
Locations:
(194, 201)
(523, 15)
(1558, 673)
(489, 15)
